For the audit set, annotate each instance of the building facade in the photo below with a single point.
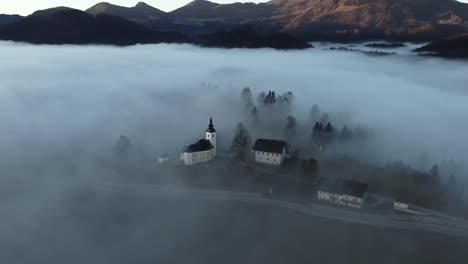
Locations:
(202, 151)
(270, 152)
(347, 193)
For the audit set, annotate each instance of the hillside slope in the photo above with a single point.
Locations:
(138, 12)
(70, 26)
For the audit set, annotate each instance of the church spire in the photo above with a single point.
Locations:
(211, 128)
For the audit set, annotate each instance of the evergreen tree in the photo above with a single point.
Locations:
(247, 97)
(261, 98)
(325, 118)
(314, 113)
(434, 173)
(123, 147)
(318, 135)
(345, 134)
(290, 128)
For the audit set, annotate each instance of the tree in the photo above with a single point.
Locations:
(325, 118)
(123, 147)
(345, 134)
(329, 133)
(286, 98)
(314, 113)
(246, 97)
(434, 173)
(290, 128)
(318, 135)
(241, 142)
(270, 98)
(261, 98)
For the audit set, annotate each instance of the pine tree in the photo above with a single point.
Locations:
(290, 128)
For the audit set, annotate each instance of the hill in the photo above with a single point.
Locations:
(456, 46)
(340, 20)
(70, 26)
(247, 37)
(394, 19)
(140, 11)
(7, 19)
(236, 12)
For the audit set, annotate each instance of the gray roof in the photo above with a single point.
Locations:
(346, 187)
(201, 145)
(269, 145)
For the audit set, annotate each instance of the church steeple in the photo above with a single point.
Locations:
(211, 128)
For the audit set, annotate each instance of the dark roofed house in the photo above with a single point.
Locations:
(270, 151)
(348, 192)
(354, 188)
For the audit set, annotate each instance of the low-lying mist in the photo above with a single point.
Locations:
(78, 100)
(62, 108)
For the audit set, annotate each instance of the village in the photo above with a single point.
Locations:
(270, 165)
(291, 166)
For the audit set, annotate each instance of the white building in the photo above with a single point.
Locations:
(202, 151)
(269, 151)
(164, 158)
(347, 193)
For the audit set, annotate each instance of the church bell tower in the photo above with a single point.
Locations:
(211, 134)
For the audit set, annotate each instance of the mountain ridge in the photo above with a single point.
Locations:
(419, 20)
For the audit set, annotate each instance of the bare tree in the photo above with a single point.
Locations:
(241, 142)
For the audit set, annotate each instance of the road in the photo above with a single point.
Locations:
(452, 227)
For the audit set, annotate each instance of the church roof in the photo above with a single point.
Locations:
(269, 145)
(201, 145)
(211, 128)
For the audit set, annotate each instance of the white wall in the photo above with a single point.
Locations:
(198, 157)
(212, 137)
(269, 158)
(344, 200)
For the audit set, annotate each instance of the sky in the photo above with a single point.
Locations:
(26, 7)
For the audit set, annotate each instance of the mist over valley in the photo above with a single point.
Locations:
(65, 109)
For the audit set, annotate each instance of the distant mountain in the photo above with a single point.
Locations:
(247, 37)
(236, 12)
(456, 46)
(47, 13)
(70, 26)
(407, 19)
(7, 19)
(340, 20)
(140, 11)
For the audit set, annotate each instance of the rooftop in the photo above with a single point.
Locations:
(346, 187)
(269, 145)
(201, 145)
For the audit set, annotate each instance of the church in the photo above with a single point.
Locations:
(202, 151)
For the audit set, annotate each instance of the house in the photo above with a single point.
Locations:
(347, 193)
(203, 150)
(270, 151)
(164, 158)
